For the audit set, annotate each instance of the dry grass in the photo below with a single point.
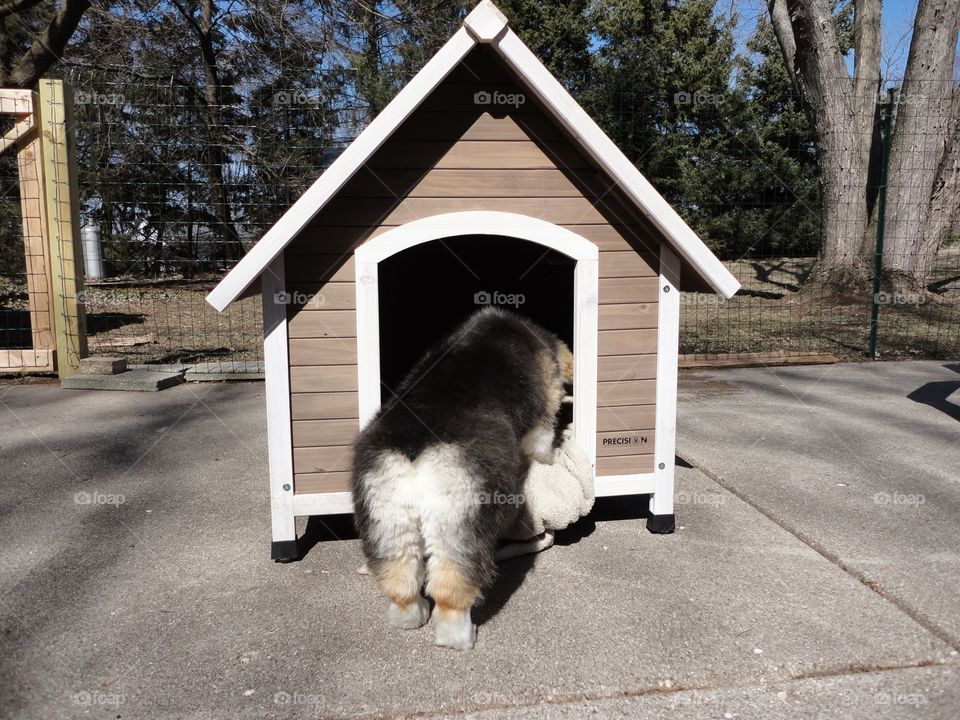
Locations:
(169, 321)
(776, 310)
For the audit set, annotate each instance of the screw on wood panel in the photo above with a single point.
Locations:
(662, 466)
(666, 288)
(286, 486)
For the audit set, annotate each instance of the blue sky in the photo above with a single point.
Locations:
(897, 24)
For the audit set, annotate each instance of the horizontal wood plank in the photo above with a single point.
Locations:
(324, 406)
(389, 211)
(625, 263)
(459, 183)
(613, 237)
(627, 367)
(321, 268)
(626, 392)
(467, 124)
(26, 360)
(324, 433)
(323, 324)
(322, 459)
(625, 417)
(306, 297)
(473, 154)
(627, 342)
(624, 464)
(628, 316)
(625, 442)
(323, 351)
(618, 291)
(323, 378)
(304, 483)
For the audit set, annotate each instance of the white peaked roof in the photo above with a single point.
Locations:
(487, 25)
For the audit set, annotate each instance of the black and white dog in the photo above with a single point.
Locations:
(435, 470)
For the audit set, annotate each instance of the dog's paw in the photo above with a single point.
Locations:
(545, 456)
(411, 616)
(538, 445)
(456, 631)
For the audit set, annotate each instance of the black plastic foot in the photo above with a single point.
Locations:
(662, 524)
(284, 551)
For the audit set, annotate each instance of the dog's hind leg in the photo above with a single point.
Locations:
(399, 571)
(449, 585)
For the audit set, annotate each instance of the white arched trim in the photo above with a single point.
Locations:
(477, 222)
(585, 280)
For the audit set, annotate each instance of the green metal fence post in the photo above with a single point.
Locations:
(881, 218)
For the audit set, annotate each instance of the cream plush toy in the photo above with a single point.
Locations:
(555, 496)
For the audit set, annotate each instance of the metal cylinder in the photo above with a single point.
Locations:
(92, 255)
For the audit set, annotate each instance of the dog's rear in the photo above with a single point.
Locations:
(438, 473)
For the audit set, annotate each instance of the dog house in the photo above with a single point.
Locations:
(482, 182)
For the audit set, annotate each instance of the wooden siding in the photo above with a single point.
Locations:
(450, 156)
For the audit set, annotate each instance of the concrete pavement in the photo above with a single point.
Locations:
(135, 580)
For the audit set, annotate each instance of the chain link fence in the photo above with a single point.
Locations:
(177, 189)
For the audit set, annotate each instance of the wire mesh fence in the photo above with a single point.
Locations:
(177, 188)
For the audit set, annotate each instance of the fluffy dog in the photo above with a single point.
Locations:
(438, 473)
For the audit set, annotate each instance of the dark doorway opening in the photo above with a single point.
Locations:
(427, 290)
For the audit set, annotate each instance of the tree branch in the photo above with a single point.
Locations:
(866, 71)
(12, 8)
(48, 49)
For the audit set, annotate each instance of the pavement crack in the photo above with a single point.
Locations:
(872, 585)
(676, 689)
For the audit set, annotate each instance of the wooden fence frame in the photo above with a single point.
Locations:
(43, 137)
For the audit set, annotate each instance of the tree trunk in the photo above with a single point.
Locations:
(229, 247)
(923, 162)
(842, 110)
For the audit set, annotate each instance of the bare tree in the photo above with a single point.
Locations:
(924, 154)
(33, 36)
(203, 28)
(843, 110)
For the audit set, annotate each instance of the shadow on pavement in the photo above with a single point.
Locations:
(937, 394)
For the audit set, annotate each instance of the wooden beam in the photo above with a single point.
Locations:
(24, 361)
(62, 211)
(759, 359)
(14, 101)
(19, 134)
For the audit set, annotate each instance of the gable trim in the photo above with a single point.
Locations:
(603, 151)
(485, 24)
(341, 170)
